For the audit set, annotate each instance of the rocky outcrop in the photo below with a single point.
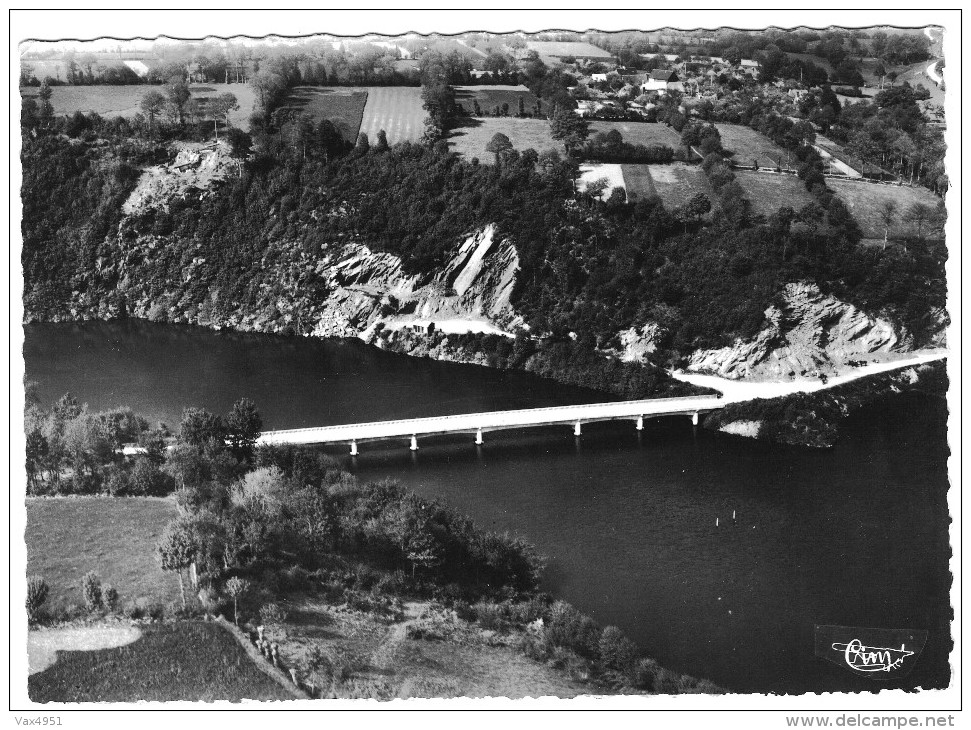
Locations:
(637, 344)
(195, 168)
(809, 334)
(471, 293)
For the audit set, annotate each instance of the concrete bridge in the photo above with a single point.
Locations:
(479, 423)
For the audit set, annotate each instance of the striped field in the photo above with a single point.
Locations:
(395, 109)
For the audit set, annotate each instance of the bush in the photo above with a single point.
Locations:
(91, 590)
(109, 597)
(210, 600)
(569, 628)
(616, 652)
(271, 614)
(37, 591)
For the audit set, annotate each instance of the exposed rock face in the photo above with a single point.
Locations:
(469, 294)
(195, 168)
(639, 343)
(811, 334)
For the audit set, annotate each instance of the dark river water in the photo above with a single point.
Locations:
(855, 535)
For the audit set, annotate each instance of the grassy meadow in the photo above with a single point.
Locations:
(344, 107)
(673, 183)
(645, 133)
(768, 192)
(865, 200)
(124, 101)
(471, 140)
(748, 146)
(113, 536)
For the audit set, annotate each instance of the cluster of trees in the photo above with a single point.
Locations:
(611, 147)
(891, 132)
(503, 110)
(71, 450)
(245, 511)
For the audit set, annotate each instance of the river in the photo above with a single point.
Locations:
(855, 535)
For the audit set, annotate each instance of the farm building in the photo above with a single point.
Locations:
(662, 81)
(558, 50)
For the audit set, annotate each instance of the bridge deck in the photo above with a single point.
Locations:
(494, 420)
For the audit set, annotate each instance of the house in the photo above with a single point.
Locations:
(662, 82)
(598, 77)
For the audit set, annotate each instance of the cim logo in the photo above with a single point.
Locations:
(881, 654)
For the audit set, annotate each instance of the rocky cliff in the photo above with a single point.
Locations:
(470, 293)
(808, 334)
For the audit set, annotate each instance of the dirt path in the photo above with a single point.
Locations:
(43, 644)
(739, 390)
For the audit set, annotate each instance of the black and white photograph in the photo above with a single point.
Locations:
(477, 360)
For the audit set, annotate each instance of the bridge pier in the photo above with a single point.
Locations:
(640, 423)
(478, 437)
(694, 418)
(353, 448)
(576, 429)
(414, 443)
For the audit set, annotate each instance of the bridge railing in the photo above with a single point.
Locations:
(495, 415)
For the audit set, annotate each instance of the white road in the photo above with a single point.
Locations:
(740, 390)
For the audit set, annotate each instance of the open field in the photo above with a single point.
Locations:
(674, 183)
(388, 661)
(471, 140)
(395, 109)
(189, 661)
(768, 192)
(645, 133)
(593, 171)
(124, 101)
(490, 97)
(113, 536)
(344, 107)
(864, 201)
(749, 145)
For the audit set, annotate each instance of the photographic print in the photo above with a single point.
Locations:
(486, 360)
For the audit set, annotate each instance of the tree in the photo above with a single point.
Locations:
(888, 216)
(363, 145)
(382, 144)
(243, 427)
(176, 550)
(91, 590)
(45, 110)
(569, 128)
(919, 214)
(695, 207)
(201, 428)
(222, 106)
(37, 591)
(153, 104)
(237, 587)
(499, 145)
(178, 94)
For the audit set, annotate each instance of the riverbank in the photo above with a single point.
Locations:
(811, 416)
